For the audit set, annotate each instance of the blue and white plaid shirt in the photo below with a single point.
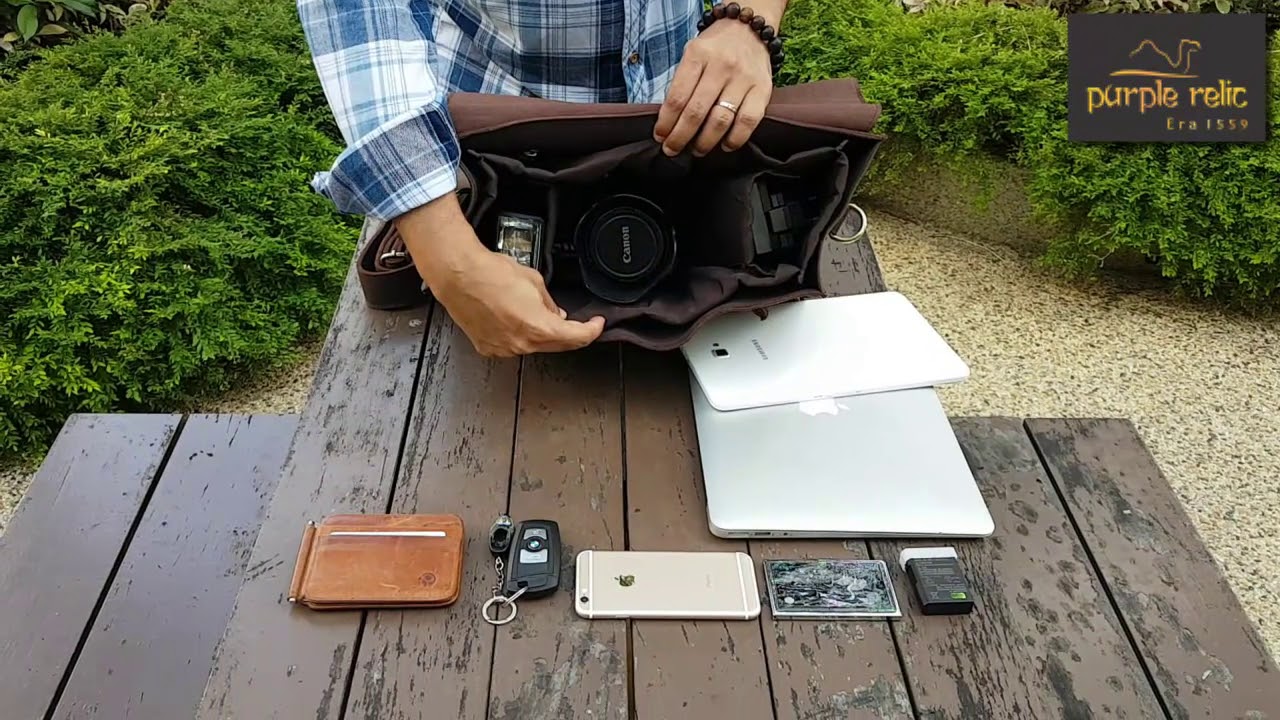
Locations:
(387, 65)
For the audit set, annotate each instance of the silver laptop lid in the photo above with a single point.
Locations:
(878, 465)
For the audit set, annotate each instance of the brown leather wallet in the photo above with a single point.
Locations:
(379, 561)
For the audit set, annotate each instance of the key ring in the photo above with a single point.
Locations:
(499, 620)
(484, 611)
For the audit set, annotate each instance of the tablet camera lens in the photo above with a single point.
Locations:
(720, 352)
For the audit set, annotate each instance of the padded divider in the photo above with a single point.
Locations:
(709, 202)
(484, 186)
(823, 172)
(724, 227)
(520, 190)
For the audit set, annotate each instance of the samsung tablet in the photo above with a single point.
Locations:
(820, 349)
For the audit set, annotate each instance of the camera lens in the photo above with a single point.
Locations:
(625, 248)
(628, 244)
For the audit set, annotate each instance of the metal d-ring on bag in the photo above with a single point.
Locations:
(859, 231)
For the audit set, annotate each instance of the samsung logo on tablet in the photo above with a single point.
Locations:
(759, 349)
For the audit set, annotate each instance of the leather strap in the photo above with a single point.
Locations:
(388, 277)
(387, 274)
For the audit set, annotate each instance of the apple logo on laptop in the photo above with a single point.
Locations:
(827, 406)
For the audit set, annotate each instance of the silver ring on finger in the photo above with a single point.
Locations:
(728, 106)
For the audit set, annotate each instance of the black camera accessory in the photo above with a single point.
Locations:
(625, 247)
(939, 580)
(534, 560)
(520, 236)
(780, 217)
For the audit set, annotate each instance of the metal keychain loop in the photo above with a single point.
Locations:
(498, 620)
(862, 231)
(510, 601)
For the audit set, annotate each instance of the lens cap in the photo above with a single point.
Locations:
(626, 244)
(625, 247)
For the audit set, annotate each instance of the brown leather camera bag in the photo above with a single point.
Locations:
(547, 157)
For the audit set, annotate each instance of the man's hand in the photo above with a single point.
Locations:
(503, 307)
(728, 63)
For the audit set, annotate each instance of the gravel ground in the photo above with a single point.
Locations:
(1201, 385)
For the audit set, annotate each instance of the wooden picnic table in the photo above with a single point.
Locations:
(1096, 598)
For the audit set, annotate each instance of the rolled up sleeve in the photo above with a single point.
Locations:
(376, 60)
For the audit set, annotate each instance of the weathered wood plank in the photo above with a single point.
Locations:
(1043, 641)
(850, 268)
(681, 669)
(433, 664)
(568, 467)
(1205, 655)
(837, 669)
(149, 653)
(833, 669)
(62, 546)
(277, 661)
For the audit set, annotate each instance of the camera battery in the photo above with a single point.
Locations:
(938, 580)
(520, 236)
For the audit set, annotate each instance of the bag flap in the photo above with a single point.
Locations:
(834, 105)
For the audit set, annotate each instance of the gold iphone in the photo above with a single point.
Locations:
(668, 585)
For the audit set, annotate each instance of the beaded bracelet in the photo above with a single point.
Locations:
(757, 23)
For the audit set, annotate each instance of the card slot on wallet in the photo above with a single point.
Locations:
(379, 561)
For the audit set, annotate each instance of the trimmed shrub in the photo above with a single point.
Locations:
(1207, 213)
(978, 78)
(34, 23)
(156, 226)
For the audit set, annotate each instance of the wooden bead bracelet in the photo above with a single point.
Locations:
(768, 35)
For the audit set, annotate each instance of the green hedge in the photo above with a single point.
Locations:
(156, 226)
(987, 78)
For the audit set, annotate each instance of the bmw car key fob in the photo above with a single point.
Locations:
(534, 563)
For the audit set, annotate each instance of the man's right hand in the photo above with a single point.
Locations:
(503, 307)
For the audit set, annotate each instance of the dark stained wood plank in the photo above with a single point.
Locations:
(149, 653)
(833, 669)
(63, 543)
(549, 662)
(695, 668)
(1043, 640)
(1205, 655)
(278, 661)
(850, 268)
(431, 664)
(830, 669)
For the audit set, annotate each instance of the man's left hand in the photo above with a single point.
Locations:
(719, 93)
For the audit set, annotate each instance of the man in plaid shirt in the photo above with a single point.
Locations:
(387, 65)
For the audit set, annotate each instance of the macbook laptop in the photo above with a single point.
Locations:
(878, 465)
